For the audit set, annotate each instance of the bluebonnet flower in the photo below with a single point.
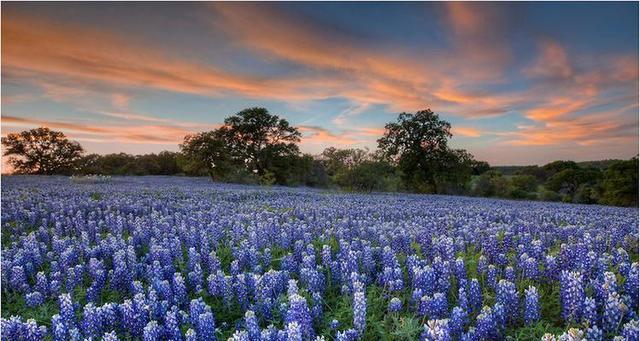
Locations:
(359, 311)
(179, 289)
(485, 324)
(205, 327)
(530, 267)
(589, 312)
(347, 335)
(172, 325)
(110, 336)
(436, 330)
(492, 276)
(34, 299)
(251, 323)
(475, 295)
(507, 295)
(500, 316)
(334, 324)
(298, 311)
(531, 305)
(631, 285)
(19, 279)
(42, 285)
(550, 267)
(294, 332)
(630, 330)
(196, 307)
(463, 301)
(457, 321)
(395, 305)
(593, 333)
(613, 312)
(572, 295)
(191, 335)
(317, 306)
(152, 332)
(58, 328)
(92, 320)
(461, 270)
(482, 265)
(510, 274)
(67, 310)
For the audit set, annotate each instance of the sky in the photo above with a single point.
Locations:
(521, 83)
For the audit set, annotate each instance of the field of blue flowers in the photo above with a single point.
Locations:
(154, 258)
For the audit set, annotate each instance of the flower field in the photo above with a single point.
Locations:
(163, 258)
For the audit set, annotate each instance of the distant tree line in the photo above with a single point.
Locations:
(413, 155)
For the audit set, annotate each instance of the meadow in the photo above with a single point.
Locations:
(170, 258)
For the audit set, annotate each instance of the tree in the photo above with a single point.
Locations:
(457, 169)
(525, 183)
(620, 183)
(490, 184)
(569, 180)
(554, 167)
(259, 138)
(367, 176)
(41, 151)
(210, 152)
(538, 172)
(337, 161)
(417, 143)
(479, 167)
(251, 145)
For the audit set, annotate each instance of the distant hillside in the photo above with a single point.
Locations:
(600, 164)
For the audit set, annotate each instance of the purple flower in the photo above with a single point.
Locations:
(152, 332)
(531, 306)
(251, 323)
(436, 330)
(507, 295)
(359, 311)
(34, 299)
(613, 312)
(395, 305)
(571, 295)
(205, 327)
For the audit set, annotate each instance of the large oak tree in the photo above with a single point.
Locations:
(41, 151)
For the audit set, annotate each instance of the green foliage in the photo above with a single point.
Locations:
(554, 167)
(41, 151)
(620, 184)
(163, 163)
(568, 180)
(252, 145)
(418, 145)
(490, 184)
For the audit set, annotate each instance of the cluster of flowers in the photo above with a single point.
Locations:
(182, 259)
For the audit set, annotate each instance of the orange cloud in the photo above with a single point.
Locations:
(568, 94)
(465, 131)
(365, 76)
(315, 139)
(105, 133)
(479, 53)
(552, 62)
(120, 101)
(33, 47)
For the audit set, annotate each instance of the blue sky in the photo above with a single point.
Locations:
(521, 83)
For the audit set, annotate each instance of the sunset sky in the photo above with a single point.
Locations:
(521, 83)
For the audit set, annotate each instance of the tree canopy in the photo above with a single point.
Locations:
(41, 151)
(418, 144)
